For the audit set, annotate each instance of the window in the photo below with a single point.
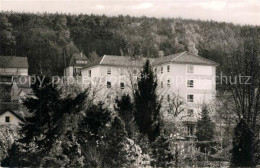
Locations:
(109, 71)
(190, 83)
(168, 97)
(109, 98)
(77, 72)
(168, 68)
(122, 85)
(190, 130)
(190, 98)
(155, 70)
(135, 86)
(190, 112)
(162, 97)
(89, 73)
(7, 119)
(190, 69)
(161, 84)
(135, 72)
(168, 83)
(121, 72)
(108, 84)
(161, 69)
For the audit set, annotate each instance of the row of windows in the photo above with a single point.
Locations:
(190, 69)
(109, 72)
(122, 85)
(190, 98)
(190, 83)
(168, 69)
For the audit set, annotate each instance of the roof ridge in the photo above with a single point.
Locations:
(102, 59)
(205, 59)
(178, 56)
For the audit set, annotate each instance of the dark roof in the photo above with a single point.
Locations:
(19, 114)
(183, 57)
(190, 58)
(166, 59)
(113, 60)
(13, 62)
(80, 56)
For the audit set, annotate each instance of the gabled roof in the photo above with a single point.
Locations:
(190, 58)
(13, 62)
(185, 58)
(182, 58)
(113, 60)
(166, 59)
(17, 113)
(80, 56)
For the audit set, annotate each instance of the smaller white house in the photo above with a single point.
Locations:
(13, 65)
(11, 117)
(75, 64)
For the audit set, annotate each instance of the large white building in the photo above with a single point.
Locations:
(184, 76)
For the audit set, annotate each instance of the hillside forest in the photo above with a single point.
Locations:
(49, 40)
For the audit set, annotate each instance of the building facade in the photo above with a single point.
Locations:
(182, 77)
(75, 64)
(12, 90)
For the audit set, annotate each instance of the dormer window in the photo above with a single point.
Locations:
(109, 71)
(161, 69)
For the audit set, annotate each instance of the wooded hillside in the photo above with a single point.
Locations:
(48, 40)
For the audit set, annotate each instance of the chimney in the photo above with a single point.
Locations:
(81, 53)
(160, 53)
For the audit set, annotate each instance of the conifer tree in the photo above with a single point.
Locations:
(125, 109)
(205, 127)
(242, 145)
(147, 105)
(162, 153)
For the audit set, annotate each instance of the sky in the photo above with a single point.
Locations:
(235, 11)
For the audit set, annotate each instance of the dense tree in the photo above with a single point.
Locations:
(125, 109)
(242, 145)
(162, 152)
(242, 70)
(50, 39)
(53, 120)
(8, 41)
(147, 105)
(205, 126)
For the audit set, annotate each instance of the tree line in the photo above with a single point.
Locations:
(49, 40)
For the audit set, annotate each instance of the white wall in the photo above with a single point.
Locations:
(68, 71)
(14, 71)
(99, 78)
(204, 88)
(203, 76)
(13, 119)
